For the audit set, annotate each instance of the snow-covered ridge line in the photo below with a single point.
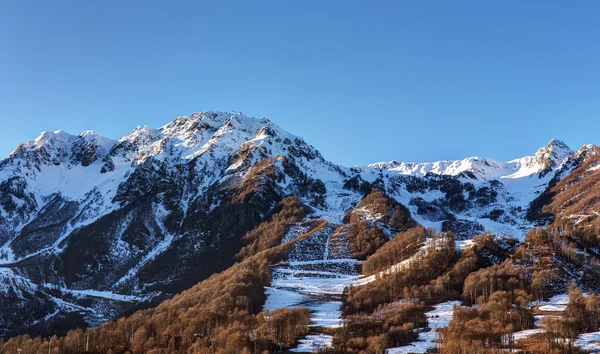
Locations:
(185, 137)
(193, 135)
(546, 158)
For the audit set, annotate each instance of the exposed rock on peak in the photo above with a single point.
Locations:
(552, 155)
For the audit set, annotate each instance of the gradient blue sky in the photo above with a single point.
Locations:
(363, 81)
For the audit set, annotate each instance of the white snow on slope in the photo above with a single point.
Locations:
(552, 308)
(323, 313)
(103, 294)
(280, 298)
(327, 314)
(305, 283)
(557, 303)
(436, 319)
(314, 279)
(594, 168)
(589, 342)
(12, 282)
(524, 334)
(517, 336)
(314, 343)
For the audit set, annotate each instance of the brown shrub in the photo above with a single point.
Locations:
(269, 233)
(390, 326)
(367, 236)
(399, 248)
(441, 256)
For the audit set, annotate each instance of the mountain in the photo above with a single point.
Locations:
(92, 228)
(544, 160)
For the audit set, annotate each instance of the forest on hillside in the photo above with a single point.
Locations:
(497, 282)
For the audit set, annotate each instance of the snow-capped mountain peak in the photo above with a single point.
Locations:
(551, 156)
(58, 147)
(57, 141)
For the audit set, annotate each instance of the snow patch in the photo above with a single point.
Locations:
(314, 343)
(438, 318)
(589, 342)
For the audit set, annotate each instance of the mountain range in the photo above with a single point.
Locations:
(93, 228)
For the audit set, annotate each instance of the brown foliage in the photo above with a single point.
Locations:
(393, 213)
(254, 179)
(390, 326)
(581, 315)
(489, 325)
(269, 233)
(367, 236)
(505, 276)
(399, 248)
(390, 287)
(578, 194)
(364, 239)
(449, 285)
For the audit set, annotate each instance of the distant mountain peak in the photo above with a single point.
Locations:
(551, 155)
(557, 145)
(545, 159)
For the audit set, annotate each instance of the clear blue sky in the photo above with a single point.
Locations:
(363, 81)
